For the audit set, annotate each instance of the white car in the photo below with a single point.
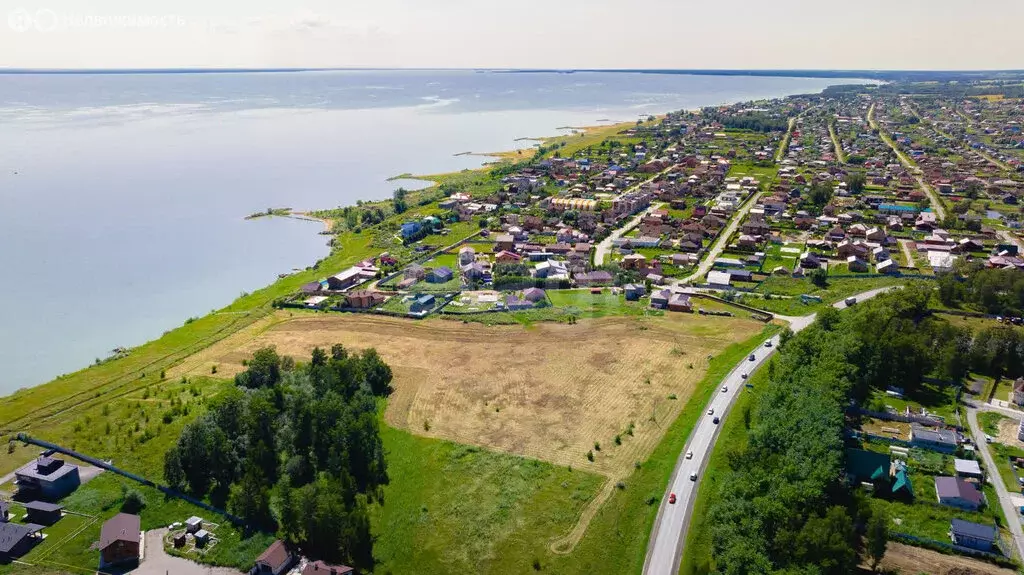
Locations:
(689, 454)
(988, 438)
(693, 476)
(711, 411)
(726, 388)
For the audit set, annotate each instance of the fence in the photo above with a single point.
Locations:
(104, 465)
(948, 547)
(759, 313)
(935, 421)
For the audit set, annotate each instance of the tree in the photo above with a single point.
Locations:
(877, 536)
(819, 194)
(856, 181)
(819, 278)
(398, 202)
(133, 501)
(264, 369)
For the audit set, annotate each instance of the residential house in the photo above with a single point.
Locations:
(595, 278)
(633, 292)
(835, 234)
(809, 260)
(47, 477)
(120, 539)
(887, 267)
(440, 275)
(717, 278)
(973, 535)
(875, 234)
(551, 269)
(17, 539)
(937, 439)
(474, 271)
(422, 303)
(467, 255)
(515, 303)
(880, 254)
(856, 264)
(507, 257)
(534, 295)
(955, 492)
(364, 299)
(1017, 395)
(311, 288)
(504, 242)
(410, 229)
(321, 568)
(415, 271)
(276, 560)
(634, 262)
(660, 299)
(680, 302)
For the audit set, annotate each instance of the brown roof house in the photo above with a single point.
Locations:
(120, 538)
(276, 560)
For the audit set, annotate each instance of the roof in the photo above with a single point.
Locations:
(11, 534)
(864, 464)
(42, 506)
(943, 436)
(33, 471)
(321, 568)
(967, 466)
(956, 487)
(276, 556)
(902, 483)
(719, 278)
(121, 527)
(971, 529)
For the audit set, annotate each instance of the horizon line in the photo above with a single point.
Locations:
(716, 71)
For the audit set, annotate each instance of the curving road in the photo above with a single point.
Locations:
(665, 548)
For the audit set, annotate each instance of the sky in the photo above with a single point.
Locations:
(751, 34)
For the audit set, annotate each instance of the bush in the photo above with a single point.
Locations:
(133, 501)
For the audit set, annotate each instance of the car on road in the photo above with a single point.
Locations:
(752, 357)
(672, 498)
(768, 343)
(715, 421)
(725, 388)
(711, 411)
(689, 454)
(744, 376)
(851, 300)
(988, 438)
(693, 476)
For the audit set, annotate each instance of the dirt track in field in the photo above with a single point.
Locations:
(906, 559)
(549, 391)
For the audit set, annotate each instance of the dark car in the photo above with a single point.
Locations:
(715, 421)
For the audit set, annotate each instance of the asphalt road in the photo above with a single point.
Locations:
(1009, 509)
(665, 547)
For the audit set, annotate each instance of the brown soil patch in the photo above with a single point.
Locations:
(549, 391)
(906, 559)
(1008, 432)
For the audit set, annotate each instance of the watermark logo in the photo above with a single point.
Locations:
(45, 20)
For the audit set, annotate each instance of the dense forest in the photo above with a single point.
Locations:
(784, 508)
(294, 448)
(992, 291)
(746, 121)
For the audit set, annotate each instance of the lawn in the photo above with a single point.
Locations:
(1001, 454)
(836, 290)
(452, 508)
(989, 421)
(582, 303)
(937, 399)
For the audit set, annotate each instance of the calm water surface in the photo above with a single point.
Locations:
(122, 196)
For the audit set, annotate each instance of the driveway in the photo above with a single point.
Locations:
(158, 562)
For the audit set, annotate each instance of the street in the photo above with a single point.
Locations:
(1009, 509)
(665, 548)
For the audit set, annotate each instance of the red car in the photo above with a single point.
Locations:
(672, 498)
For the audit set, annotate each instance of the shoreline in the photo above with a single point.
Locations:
(308, 214)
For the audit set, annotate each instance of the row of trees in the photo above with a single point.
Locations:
(294, 448)
(755, 122)
(784, 507)
(993, 291)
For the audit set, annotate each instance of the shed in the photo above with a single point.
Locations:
(179, 540)
(202, 537)
(193, 524)
(43, 513)
(321, 568)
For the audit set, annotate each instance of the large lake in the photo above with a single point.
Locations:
(122, 197)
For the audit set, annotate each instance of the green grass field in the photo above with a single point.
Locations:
(989, 421)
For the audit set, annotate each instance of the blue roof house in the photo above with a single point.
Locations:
(422, 303)
(410, 229)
